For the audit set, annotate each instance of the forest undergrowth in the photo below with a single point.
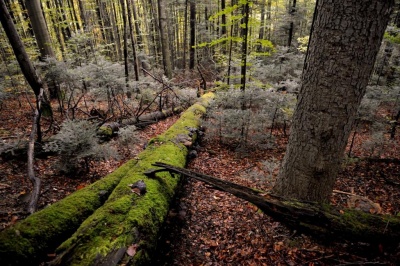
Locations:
(210, 227)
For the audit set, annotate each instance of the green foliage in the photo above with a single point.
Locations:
(81, 48)
(227, 11)
(303, 43)
(392, 35)
(76, 143)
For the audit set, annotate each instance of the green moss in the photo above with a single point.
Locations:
(41, 232)
(392, 37)
(105, 131)
(353, 218)
(127, 218)
(362, 226)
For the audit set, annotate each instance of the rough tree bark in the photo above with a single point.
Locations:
(344, 41)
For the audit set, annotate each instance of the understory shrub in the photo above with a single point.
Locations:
(263, 172)
(76, 143)
(246, 119)
(128, 136)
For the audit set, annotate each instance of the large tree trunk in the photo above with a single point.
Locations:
(322, 221)
(125, 228)
(39, 27)
(344, 41)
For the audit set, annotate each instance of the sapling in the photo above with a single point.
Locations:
(264, 172)
(242, 119)
(76, 143)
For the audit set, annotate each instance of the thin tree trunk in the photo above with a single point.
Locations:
(115, 30)
(245, 31)
(137, 23)
(133, 43)
(262, 22)
(223, 19)
(192, 50)
(154, 36)
(82, 11)
(185, 40)
(125, 38)
(269, 8)
(56, 27)
(166, 50)
(63, 19)
(74, 15)
(40, 28)
(292, 11)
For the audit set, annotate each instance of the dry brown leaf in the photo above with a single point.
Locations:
(132, 249)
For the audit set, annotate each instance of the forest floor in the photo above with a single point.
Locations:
(210, 227)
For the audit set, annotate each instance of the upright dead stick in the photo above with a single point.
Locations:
(36, 182)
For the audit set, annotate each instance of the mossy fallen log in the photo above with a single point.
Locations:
(321, 221)
(124, 230)
(31, 239)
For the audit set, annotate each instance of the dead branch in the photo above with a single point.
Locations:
(321, 221)
(32, 205)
